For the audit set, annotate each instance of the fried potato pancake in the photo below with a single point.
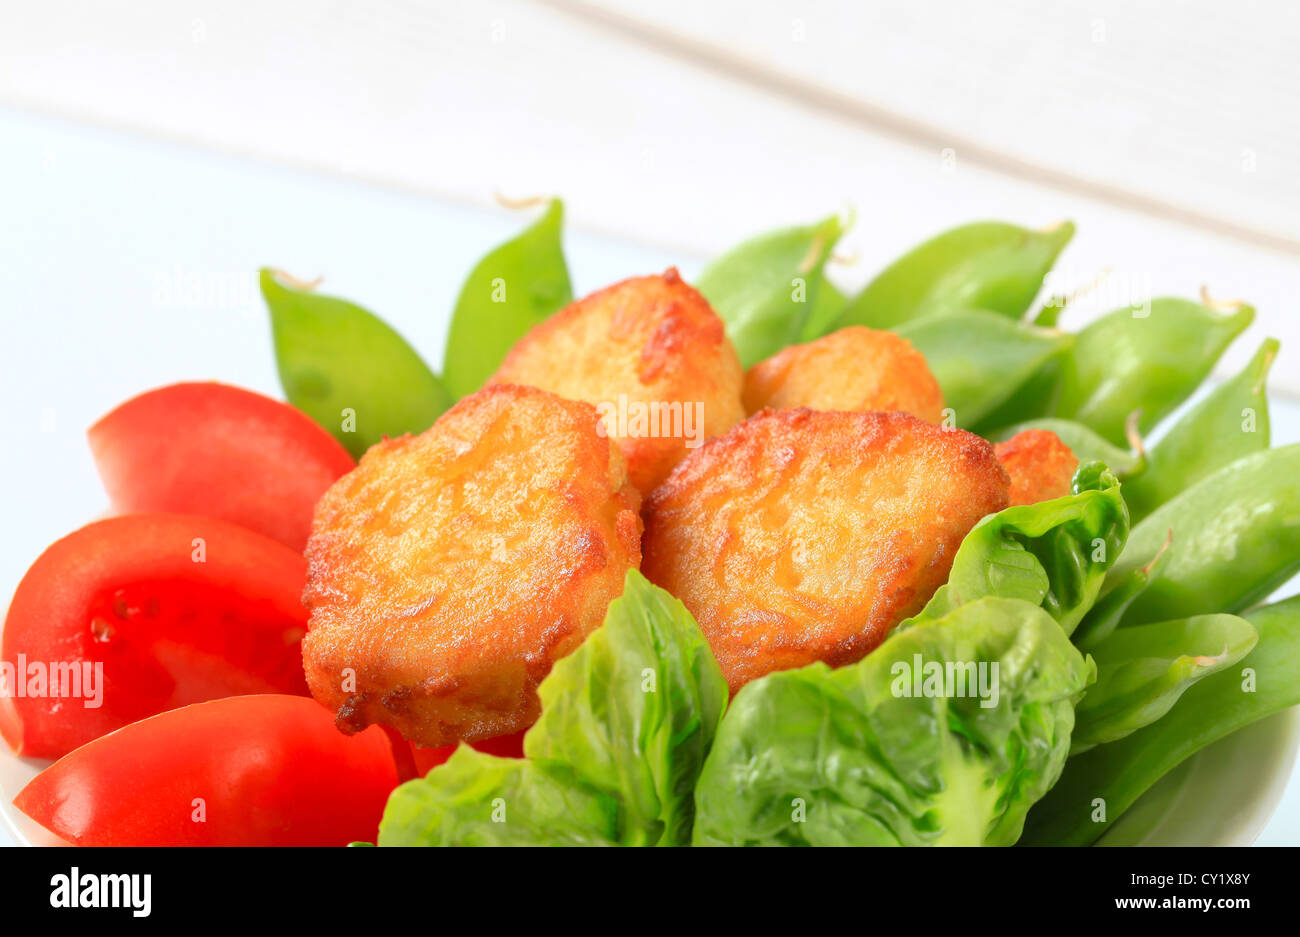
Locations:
(449, 570)
(802, 536)
(856, 368)
(1039, 465)
(654, 358)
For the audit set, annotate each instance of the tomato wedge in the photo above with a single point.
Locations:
(208, 448)
(134, 615)
(242, 771)
(504, 746)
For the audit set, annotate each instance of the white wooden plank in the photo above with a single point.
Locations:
(462, 99)
(1189, 105)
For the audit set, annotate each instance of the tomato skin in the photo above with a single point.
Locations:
(503, 746)
(208, 448)
(127, 593)
(264, 771)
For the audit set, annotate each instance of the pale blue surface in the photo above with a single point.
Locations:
(95, 227)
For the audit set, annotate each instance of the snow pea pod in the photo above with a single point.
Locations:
(766, 288)
(1104, 616)
(1230, 423)
(1145, 357)
(980, 358)
(827, 304)
(1236, 538)
(513, 288)
(1086, 445)
(346, 368)
(1098, 786)
(987, 265)
(1034, 399)
(1143, 671)
(1050, 313)
(1037, 397)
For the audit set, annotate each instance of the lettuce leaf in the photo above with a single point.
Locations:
(872, 754)
(1054, 553)
(626, 723)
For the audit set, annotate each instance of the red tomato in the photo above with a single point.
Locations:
(504, 746)
(129, 594)
(221, 451)
(242, 771)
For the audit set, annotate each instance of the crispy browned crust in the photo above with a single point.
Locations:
(449, 570)
(856, 368)
(802, 536)
(1039, 464)
(654, 339)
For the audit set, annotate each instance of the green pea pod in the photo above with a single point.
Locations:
(943, 735)
(1142, 671)
(346, 368)
(1050, 313)
(1105, 615)
(1236, 538)
(1086, 445)
(1145, 357)
(987, 265)
(516, 286)
(1034, 399)
(979, 358)
(1230, 423)
(765, 288)
(1098, 786)
(828, 302)
(1054, 553)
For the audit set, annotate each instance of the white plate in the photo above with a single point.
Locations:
(15, 772)
(1223, 795)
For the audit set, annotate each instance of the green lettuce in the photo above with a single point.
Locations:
(874, 754)
(626, 723)
(1054, 553)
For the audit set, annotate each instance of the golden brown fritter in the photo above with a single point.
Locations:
(449, 570)
(1039, 465)
(802, 536)
(856, 368)
(654, 358)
